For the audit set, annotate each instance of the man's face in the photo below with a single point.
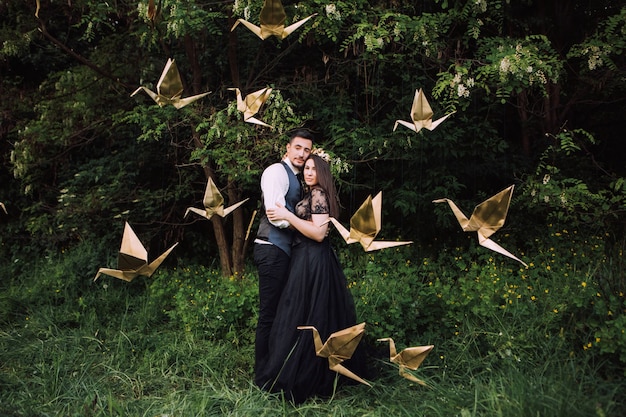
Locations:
(298, 151)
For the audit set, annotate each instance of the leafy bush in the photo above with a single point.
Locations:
(203, 301)
(569, 293)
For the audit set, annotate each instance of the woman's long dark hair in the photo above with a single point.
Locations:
(326, 182)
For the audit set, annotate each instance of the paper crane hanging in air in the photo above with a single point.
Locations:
(488, 217)
(409, 358)
(339, 347)
(251, 104)
(365, 225)
(133, 258)
(421, 115)
(213, 203)
(272, 21)
(170, 88)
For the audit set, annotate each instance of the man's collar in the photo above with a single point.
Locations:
(290, 165)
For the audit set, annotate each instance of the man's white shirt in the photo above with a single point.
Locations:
(274, 185)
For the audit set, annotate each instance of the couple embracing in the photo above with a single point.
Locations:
(301, 282)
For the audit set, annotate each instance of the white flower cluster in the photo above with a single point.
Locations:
(538, 76)
(9, 48)
(481, 5)
(332, 12)
(505, 64)
(594, 59)
(373, 43)
(462, 86)
(175, 25)
(517, 66)
(142, 10)
(337, 165)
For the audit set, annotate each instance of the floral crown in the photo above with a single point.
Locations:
(337, 165)
(322, 154)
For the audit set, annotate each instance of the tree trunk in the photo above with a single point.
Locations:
(222, 244)
(238, 254)
(219, 230)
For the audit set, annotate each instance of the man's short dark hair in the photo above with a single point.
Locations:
(302, 133)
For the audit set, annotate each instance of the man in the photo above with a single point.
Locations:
(272, 249)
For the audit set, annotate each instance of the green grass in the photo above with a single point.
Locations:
(181, 342)
(128, 369)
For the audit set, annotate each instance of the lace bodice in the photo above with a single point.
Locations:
(314, 202)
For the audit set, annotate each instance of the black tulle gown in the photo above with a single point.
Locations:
(316, 294)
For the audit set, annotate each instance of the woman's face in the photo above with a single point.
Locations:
(310, 174)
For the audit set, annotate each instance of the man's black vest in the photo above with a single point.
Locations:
(267, 231)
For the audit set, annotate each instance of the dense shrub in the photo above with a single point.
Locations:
(202, 300)
(570, 292)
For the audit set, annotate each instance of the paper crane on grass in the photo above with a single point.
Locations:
(251, 104)
(488, 217)
(4, 208)
(133, 258)
(272, 20)
(170, 88)
(339, 347)
(410, 358)
(421, 115)
(365, 225)
(213, 203)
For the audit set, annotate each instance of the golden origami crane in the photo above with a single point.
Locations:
(153, 11)
(4, 208)
(170, 88)
(365, 225)
(251, 105)
(488, 217)
(339, 347)
(421, 115)
(409, 358)
(132, 260)
(272, 20)
(213, 203)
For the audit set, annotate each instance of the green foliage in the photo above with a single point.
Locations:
(223, 132)
(568, 293)
(570, 188)
(203, 301)
(508, 340)
(508, 66)
(600, 50)
(78, 155)
(351, 70)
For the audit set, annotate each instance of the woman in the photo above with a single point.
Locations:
(316, 295)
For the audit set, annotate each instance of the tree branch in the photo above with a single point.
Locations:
(77, 56)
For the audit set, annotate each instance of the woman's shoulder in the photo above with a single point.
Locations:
(317, 190)
(318, 193)
(319, 201)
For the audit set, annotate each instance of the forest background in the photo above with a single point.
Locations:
(539, 90)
